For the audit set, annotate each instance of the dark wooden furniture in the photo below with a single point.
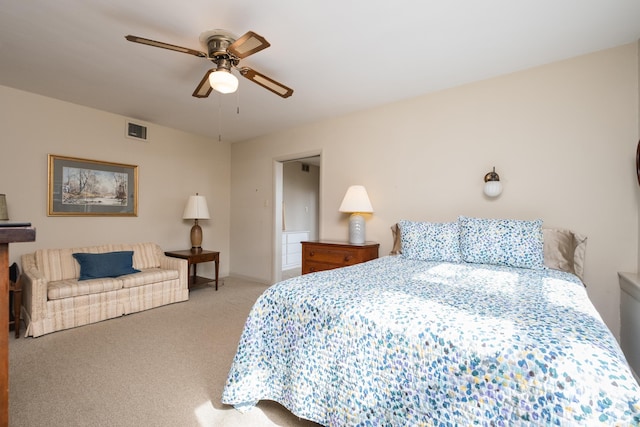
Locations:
(15, 288)
(194, 257)
(322, 255)
(10, 232)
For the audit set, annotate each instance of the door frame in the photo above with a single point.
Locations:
(278, 183)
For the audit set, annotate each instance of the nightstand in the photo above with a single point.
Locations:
(194, 257)
(322, 255)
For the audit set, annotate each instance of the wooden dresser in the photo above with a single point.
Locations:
(322, 255)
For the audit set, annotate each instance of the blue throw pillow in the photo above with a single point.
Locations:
(511, 242)
(430, 241)
(109, 264)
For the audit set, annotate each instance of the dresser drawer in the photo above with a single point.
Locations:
(312, 267)
(319, 256)
(338, 256)
(203, 257)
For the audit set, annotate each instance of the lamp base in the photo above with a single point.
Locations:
(196, 236)
(356, 229)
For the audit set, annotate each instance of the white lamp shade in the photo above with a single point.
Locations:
(356, 200)
(223, 81)
(492, 188)
(196, 208)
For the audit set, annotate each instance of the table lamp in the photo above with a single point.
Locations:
(4, 215)
(356, 202)
(196, 209)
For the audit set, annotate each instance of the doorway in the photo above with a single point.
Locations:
(296, 213)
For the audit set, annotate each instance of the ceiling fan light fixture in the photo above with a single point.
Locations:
(223, 81)
(225, 50)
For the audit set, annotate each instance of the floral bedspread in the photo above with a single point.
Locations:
(397, 342)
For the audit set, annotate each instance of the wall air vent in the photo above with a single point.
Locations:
(136, 131)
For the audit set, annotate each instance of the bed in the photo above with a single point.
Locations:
(467, 326)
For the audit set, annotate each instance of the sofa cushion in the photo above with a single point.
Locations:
(148, 276)
(109, 264)
(59, 264)
(145, 255)
(68, 288)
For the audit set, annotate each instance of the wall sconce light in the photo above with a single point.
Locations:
(356, 202)
(196, 209)
(492, 184)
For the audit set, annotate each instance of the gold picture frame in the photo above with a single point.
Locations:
(83, 187)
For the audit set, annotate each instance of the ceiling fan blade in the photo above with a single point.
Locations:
(266, 82)
(204, 87)
(154, 43)
(248, 44)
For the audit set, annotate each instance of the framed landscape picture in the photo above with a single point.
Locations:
(82, 187)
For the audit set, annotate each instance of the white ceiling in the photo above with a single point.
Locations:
(339, 56)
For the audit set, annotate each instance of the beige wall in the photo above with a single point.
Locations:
(561, 136)
(171, 166)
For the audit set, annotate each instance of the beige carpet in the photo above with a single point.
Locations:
(161, 367)
(287, 274)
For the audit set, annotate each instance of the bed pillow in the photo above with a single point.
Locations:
(579, 254)
(564, 250)
(109, 264)
(510, 242)
(430, 241)
(397, 245)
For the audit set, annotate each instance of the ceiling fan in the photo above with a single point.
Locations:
(226, 51)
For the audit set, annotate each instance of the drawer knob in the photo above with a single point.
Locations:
(347, 258)
(312, 253)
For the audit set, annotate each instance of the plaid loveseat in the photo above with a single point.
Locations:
(54, 297)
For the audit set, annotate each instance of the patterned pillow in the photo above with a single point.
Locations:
(428, 241)
(511, 242)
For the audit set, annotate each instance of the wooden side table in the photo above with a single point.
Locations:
(194, 257)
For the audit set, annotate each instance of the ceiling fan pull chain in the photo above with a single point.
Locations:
(219, 118)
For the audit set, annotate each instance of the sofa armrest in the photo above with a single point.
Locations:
(34, 288)
(171, 263)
